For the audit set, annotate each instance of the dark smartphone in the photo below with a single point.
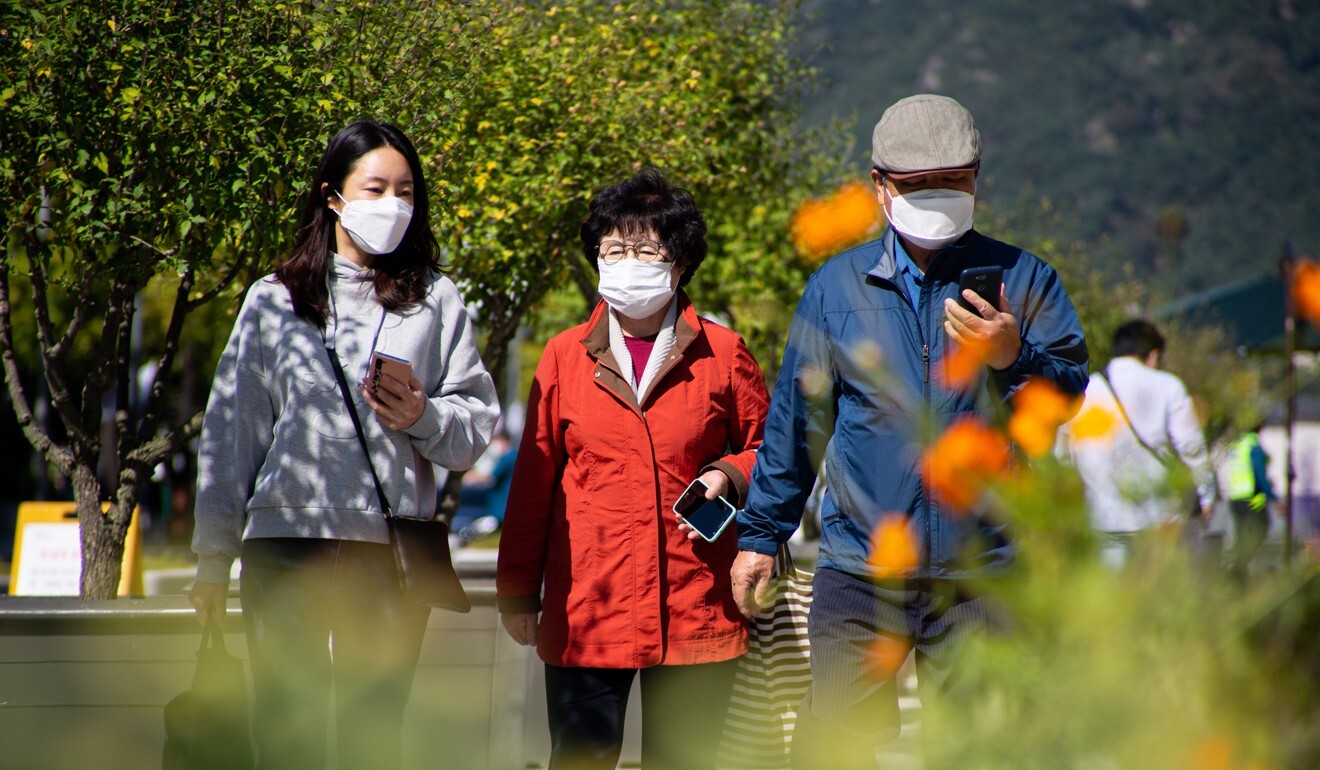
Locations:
(708, 517)
(985, 281)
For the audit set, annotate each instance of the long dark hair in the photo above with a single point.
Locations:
(400, 277)
(648, 201)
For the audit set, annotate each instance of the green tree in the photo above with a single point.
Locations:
(153, 151)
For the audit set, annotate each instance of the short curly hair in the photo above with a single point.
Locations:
(647, 201)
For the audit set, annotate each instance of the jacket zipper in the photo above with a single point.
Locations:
(925, 402)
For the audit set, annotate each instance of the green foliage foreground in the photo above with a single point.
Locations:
(1164, 664)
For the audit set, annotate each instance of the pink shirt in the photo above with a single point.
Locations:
(639, 348)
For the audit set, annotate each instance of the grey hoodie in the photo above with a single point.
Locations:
(279, 456)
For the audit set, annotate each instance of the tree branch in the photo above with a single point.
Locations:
(157, 449)
(165, 364)
(60, 394)
(22, 407)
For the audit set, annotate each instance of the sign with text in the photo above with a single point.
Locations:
(48, 553)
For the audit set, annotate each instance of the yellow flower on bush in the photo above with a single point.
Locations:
(894, 549)
(967, 457)
(824, 226)
(1038, 411)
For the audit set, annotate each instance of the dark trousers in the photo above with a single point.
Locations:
(683, 710)
(1249, 531)
(323, 612)
(851, 707)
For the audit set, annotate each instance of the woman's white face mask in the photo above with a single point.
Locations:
(376, 225)
(931, 219)
(634, 288)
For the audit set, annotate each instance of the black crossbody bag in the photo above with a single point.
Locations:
(421, 547)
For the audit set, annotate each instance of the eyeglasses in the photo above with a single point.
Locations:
(644, 250)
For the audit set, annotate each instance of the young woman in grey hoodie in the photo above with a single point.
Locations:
(282, 481)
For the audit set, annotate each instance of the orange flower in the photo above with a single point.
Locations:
(894, 551)
(1306, 290)
(1211, 753)
(825, 226)
(1094, 423)
(960, 464)
(1039, 408)
(961, 368)
(888, 654)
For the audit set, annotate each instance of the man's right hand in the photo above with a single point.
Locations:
(522, 626)
(209, 599)
(751, 573)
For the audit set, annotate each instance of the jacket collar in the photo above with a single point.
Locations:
(596, 340)
(886, 263)
(597, 337)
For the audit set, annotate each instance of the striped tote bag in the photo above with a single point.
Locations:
(771, 678)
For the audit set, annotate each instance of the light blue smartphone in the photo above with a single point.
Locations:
(708, 517)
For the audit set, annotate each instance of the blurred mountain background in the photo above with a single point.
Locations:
(1179, 138)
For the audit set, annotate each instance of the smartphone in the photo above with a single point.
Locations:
(708, 517)
(985, 281)
(384, 363)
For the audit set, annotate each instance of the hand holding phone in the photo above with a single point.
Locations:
(384, 363)
(708, 517)
(985, 281)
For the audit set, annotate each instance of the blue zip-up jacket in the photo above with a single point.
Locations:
(858, 391)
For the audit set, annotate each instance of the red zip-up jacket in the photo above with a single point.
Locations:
(590, 518)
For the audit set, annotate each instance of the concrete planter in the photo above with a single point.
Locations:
(83, 684)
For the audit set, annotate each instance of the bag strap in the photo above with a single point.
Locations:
(784, 561)
(357, 426)
(1128, 420)
(212, 637)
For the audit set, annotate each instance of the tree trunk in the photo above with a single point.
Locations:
(102, 536)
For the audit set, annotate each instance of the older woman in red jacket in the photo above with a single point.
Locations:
(625, 412)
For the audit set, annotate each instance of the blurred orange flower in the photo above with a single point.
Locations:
(888, 654)
(1306, 290)
(1094, 423)
(1039, 408)
(894, 550)
(962, 367)
(824, 226)
(1211, 753)
(966, 457)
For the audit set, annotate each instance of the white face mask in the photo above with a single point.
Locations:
(634, 288)
(932, 219)
(376, 225)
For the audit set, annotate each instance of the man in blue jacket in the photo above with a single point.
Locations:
(860, 390)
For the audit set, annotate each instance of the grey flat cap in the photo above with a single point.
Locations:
(923, 133)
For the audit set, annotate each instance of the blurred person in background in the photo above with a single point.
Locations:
(1127, 473)
(1250, 498)
(625, 411)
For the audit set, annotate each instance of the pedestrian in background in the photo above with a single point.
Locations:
(1132, 474)
(624, 412)
(282, 481)
(1250, 497)
(860, 392)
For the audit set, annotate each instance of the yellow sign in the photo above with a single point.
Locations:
(48, 552)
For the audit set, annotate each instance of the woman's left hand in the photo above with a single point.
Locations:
(716, 484)
(397, 404)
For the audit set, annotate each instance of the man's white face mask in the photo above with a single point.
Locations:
(932, 219)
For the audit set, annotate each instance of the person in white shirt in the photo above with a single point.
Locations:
(1127, 471)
